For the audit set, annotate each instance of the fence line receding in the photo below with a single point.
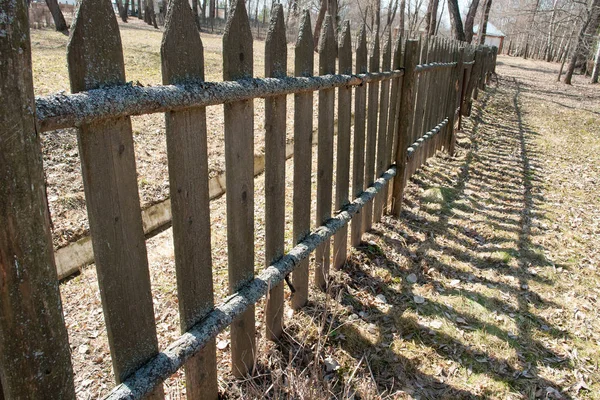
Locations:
(409, 98)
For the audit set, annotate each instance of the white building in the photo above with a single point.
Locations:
(493, 36)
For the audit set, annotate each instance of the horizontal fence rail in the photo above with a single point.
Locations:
(398, 92)
(171, 359)
(73, 110)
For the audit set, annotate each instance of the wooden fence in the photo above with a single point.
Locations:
(406, 109)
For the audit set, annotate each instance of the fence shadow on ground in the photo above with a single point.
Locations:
(500, 179)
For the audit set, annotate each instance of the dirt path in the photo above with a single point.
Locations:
(487, 287)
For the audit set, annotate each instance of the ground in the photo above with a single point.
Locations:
(486, 287)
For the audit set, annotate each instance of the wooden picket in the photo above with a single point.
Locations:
(275, 109)
(239, 163)
(371, 133)
(95, 59)
(406, 105)
(303, 127)
(384, 102)
(182, 57)
(340, 240)
(358, 160)
(327, 55)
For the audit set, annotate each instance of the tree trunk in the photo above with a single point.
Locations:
(484, 20)
(578, 50)
(458, 31)
(124, 11)
(431, 17)
(319, 23)
(596, 70)
(470, 20)
(139, 9)
(437, 27)
(59, 20)
(401, 16)
(551, 32)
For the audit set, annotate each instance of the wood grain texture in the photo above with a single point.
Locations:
(239, 161)
(182, 57)
(371, 143)
(34, 349)
(358, 153)
(275, 119)
(421, 93)
(393, 123)
(303, 129)
(327, 54)
(384, 106)
(340, 240)
(95, 59)
(405, 121)
(455, 100)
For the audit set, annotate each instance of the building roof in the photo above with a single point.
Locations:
(490, 31)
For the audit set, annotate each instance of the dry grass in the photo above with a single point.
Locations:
(486, 287)
(141, 49)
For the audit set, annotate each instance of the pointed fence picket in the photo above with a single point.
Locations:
(405, 111)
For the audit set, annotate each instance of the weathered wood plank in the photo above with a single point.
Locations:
(327, 54)
(358, 154)
(370, 147)
(95, 59)
(340, 240)
(275, 119)
(35, 359)
(384, 103)
(456, 86)
(239, 152)
(303, 128)
(405, 121)
(458, 90)
(182, 56)
(393, 123)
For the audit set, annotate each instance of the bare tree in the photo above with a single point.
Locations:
(591, 22)
(485, 15)
(401, 16)
(470, 20)
(456, 21)
(59, 20)
(431, 17)
(596, 70)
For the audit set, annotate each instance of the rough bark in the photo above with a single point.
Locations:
(470, 20)
(596, 70)
(592, 18)
(484, 21)
(458, 32)
(401, 16)
(431, 17)
(59, 20)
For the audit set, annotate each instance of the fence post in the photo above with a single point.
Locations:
(275, 113)
(35, 359)
(381, 164)
(303, 128)
(358, 153)
(371, 144)
(395, 93)
(182, 58)
(95, 59)
(327, 54)
(340, 240)
(239, 162)
(405, 122)
(455, 94)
